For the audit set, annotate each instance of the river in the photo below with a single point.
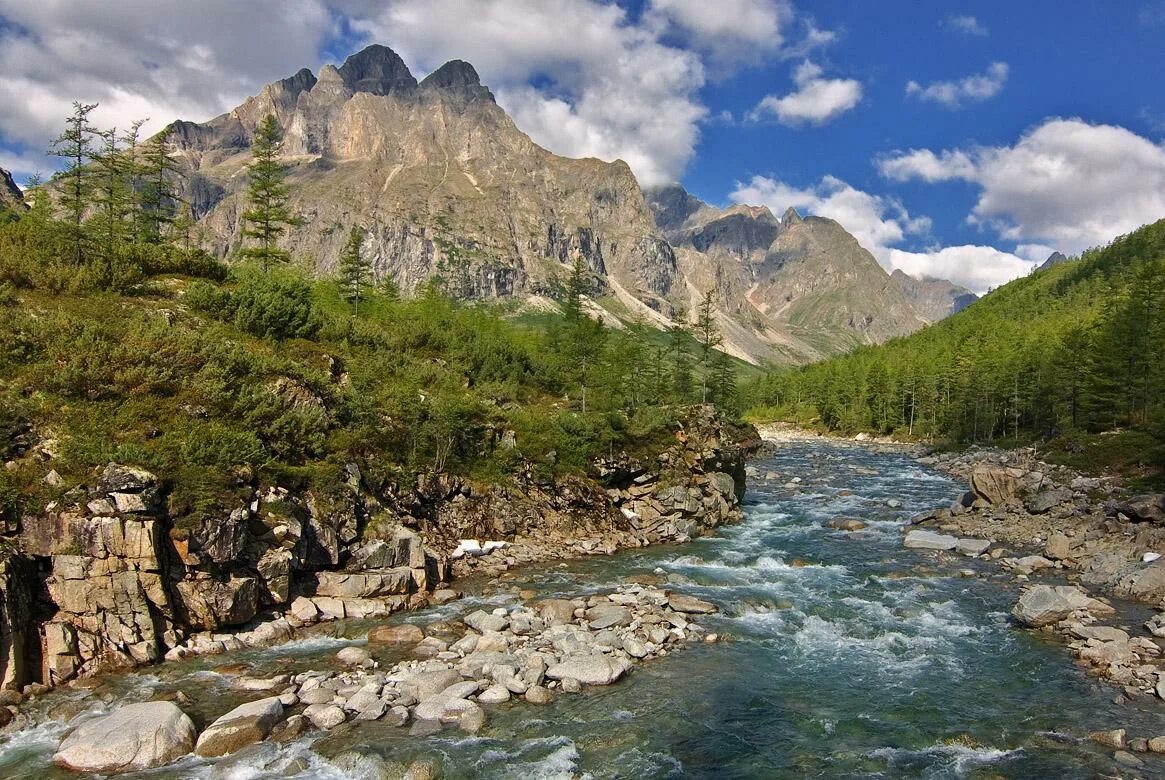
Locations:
(848, 657)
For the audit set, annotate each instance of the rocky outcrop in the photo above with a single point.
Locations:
(131, 738)
(11, 198)
(933, 299)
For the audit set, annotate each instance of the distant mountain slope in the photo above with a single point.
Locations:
(1078, 345)
(444, 184)
(933, 299)
(10, 195)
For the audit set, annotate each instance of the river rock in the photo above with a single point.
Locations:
(1157, 745)
(681, 603)
(1114, 738)
(354, 656)
(929, 540)
(537, 694)
(846, 524)
(589, 669)
(484, 621)
(495, 694)
(1044, 605)
(1047, 499)
(556, 612)
(131, 738)
(425, 684)
(403, 634)
(608, 615)
(972, 547)
(325, 716)
(992, 484)
(1059, 547)
(244, 725)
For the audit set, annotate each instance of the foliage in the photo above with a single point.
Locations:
(268, 215)
(1078, 347)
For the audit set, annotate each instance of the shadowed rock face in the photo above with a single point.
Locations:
(933, 299)
(378, 70)
(10, 195)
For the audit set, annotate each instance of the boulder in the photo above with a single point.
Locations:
(325, 716)
(367, 584)
(1045, 604)
(484, 621)
(846, 524)
(1144, 508)
(1146, 583)
(929, 540)
(589, 669)
(422, 685)
(402, 634)
(354, 656)
(972, 546)
(129, 739)
(608, 615)
(992, 484)
(681, 603)
(244, 725)
(1058, 548)
(555, 612)
(1047, 499)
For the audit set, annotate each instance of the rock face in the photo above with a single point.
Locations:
(933, 299)
(441, 179)
(132, 738)
(11, 198)
(993, 485)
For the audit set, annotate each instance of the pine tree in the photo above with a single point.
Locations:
(576, 286)
(133, 171)
(268, 217)
(389, 288)
(157, 197)
(110, 194)
(355, 271)
(681, 375)
(707, 333)
(75, 145)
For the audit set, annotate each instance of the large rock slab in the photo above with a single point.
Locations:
(1045, 604)
(129, 739)
(1046, 500)
(608, 616)
(919, 539)
(690, 604)
(401, 634)
(244, 725)
(588, 669)
(367, 584)
(993, 484)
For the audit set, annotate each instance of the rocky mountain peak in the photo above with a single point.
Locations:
(1053, 259)
(933, 299)
(379, 70)
(459, 79)
(790, 217)
(10, 195)
(672, 205)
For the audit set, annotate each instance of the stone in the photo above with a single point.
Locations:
(846, 524)
(1047, 499)
(537, 694)
(972, 547)
(689, 604)
(131, 738)
(484, 621)
(1147, 583)
(244, 725)
(635, 648)
(588, 669)
(1043, 605)
(354, 656)
(325, 716)
(424, 684)
(556, 612)
(608, 615)
(366, 584)
(1156, 745)
(919, 539)
(495, 694)
(402, 634)
(290, 729)
(467, 714)
(1058, 547)
(444, 596)
(1114, 738)
(992, 484)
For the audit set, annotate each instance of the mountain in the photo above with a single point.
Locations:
(10, 195)
(1053, 259)
(439, 177)
(933, 299)
(804, 288)
(444, 183)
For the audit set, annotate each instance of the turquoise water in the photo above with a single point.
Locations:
(848, 657)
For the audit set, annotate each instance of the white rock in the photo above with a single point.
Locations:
(1149, 557)
(131, 738)
(928, 540)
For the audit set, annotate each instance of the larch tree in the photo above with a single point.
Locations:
(707, 334)
(355, 270)
(268, 216)
(75, 145)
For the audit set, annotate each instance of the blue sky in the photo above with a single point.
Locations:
(957, 139)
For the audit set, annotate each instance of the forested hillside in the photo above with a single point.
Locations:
(1078, 346)
(121, 341)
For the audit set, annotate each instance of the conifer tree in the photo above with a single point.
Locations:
(110, 194)
(355, 271)
(707, 333)
(268, 216)
(75, 144)
(133, 171)
(157, 197)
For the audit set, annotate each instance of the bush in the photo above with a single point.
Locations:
(275, 306)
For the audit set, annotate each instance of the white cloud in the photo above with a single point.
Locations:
(879, 224)
(817, 100)
(141, 58)
(731, 31)
(953, 94)
(1065, 183)
(926, 165)
(967, 24)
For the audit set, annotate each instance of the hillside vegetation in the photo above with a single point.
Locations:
(1071, 351)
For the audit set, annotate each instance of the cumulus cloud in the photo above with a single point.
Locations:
(879, 224)
(1064, 183)
(732, 31)
(816, 100)
(142, 58)
(969, 25)
(972, 89)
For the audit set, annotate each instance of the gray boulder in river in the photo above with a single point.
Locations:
(131, 738)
